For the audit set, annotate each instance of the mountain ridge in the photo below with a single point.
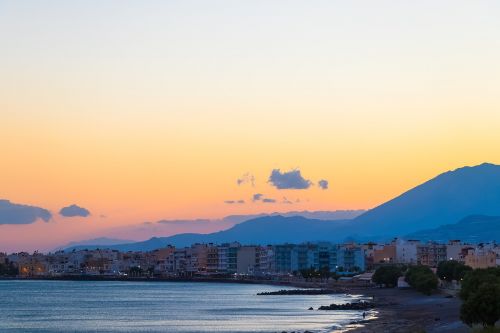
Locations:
(472, 229)
(442, 200)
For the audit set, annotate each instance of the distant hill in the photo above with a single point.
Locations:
(440, 201)
(472, 229)
(262, 230)
(445, 199)
(101, 242)
(316, 215)
(228, 222)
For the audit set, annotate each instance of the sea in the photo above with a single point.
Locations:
(183, 307)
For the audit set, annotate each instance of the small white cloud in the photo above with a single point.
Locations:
(247, 178)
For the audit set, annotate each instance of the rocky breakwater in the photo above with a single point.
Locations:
(348, 306)
(299, 292)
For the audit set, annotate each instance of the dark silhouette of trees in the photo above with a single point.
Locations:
(310, 273)
(473, 279)
(480, 291)
(387, 275)
(452, 270)
(8, 269)
(135, 271)
(422, 279)
(483, 306)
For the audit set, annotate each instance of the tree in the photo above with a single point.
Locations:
(427, 283)
(422, 279)
(474, 279)
(387, 275)
(8, 269)
(483, 306)
(310, 273)
(135, 271)
(452, 270)
(324, 272)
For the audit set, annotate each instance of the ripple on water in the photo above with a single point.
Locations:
(104, 306)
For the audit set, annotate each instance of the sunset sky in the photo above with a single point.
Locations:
(147, 110)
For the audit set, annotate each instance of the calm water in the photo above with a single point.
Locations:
(85, 306)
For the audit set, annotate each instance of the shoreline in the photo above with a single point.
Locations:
(408, 311)
(396, 310)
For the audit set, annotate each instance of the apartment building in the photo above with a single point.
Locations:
(431, 254)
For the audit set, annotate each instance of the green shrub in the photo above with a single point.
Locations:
(482, 306)
(387, 275)
(422, 279)
(452, 270)
(8, 269)
(473, 280)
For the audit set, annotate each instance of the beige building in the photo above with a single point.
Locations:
(431, 254)
(212, 258)
(385, 255)
(481, 259)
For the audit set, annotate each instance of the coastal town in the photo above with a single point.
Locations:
(239, 261)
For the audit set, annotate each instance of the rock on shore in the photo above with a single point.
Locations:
(348, 306)
(299, 292)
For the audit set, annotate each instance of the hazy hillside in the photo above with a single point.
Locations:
(472, 229)
(101, 241)
(257, 228)
(263, 230)
(315, 215)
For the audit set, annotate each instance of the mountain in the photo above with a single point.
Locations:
(101, 241)
(169, 227)
(440, 201)
(472, 229)
(203, 226)
(445, 199)
(262, 230)
(326, 215)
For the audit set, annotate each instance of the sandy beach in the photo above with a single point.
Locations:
(405, 310)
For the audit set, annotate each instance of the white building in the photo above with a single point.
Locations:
(406, 251)
(454, 250)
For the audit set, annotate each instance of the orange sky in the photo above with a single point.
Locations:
(148, 111)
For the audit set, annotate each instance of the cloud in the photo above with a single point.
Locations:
(260, 197)
(323, 184)
(11, 213)
(245, 179)
(286, 201)
(289, 180)
(257, 197)
(74, 210)
(231, 202)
